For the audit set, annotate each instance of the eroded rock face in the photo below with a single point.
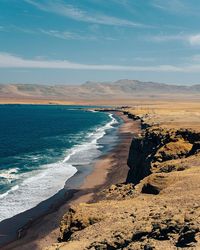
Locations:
(76, 220)
(118, 192)
(155, 183)
(173, 150)
(160, 150)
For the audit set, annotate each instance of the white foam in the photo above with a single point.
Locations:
(38, 185)
(83, 153)
(12, 189)
(91, 110)
(43, 184)
(9, 173)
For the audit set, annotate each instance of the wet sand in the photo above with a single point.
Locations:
(109, 169)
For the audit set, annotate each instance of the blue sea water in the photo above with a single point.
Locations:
(40, 146)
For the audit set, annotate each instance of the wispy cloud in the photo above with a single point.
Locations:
(195, 58)
(192, 39)
(66, 35)
(171, 6)
(11, 61)
(60, 8)
(177, 7)
(167, 37)
(13, 28)
(60, 34)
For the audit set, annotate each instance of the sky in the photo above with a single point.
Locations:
(73, 41)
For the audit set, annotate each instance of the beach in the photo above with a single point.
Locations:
(109, 169)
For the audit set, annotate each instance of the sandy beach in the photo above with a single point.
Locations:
(109, 169)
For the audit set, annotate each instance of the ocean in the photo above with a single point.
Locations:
(40, 147)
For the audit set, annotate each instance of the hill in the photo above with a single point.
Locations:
(96, 92)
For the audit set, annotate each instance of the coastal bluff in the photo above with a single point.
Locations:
(158, 205)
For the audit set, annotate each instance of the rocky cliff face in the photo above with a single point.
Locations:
(160, 150)
(159, 206)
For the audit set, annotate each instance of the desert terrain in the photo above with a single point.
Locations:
(122, 92)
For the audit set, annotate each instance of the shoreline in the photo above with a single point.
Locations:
(109, 169)
(24, 220)
(106, 170)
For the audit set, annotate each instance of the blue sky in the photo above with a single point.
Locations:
(72, 41)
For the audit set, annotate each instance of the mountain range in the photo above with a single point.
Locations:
(93, 91)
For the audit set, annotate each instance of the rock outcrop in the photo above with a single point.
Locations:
(161, 150)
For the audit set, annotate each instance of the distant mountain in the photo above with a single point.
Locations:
(91, 91)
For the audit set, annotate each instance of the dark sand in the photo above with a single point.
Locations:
(108, 170)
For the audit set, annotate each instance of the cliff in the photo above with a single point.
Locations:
(159, 205)
(161, 150)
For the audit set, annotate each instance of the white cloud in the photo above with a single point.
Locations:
(11, 61)
(66, 35)
(77, 14)
(173, 6)
(167, 38)
(60, 34)
(195, 58)
(194, 39)
(13, 28)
